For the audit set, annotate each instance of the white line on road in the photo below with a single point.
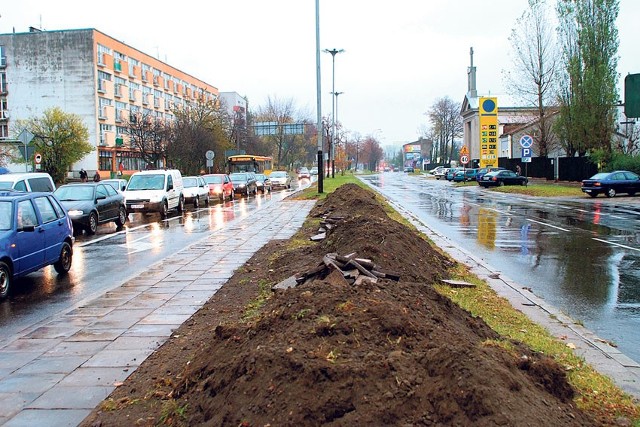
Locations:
(617, 244)
(548, 225)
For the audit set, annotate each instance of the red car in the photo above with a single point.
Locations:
(220, 186)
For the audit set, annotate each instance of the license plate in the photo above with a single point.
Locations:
(137, 206)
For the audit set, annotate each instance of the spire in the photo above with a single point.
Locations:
(471, 76)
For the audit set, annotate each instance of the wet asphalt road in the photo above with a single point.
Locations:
(105, 260)
(581, 255)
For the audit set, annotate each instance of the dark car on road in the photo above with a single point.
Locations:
(263, 182)
(92, 203)
(612, 183)
(465, 175)
(502, 177)
(244, 183)
(35, 231)
(482, 171)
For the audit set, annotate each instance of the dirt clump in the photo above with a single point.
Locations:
(326, 352)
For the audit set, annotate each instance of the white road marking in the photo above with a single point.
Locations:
(617, 244)
(548, 225)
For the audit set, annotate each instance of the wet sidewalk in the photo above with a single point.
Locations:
(58, 371)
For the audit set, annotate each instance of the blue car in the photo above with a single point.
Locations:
(612, 183)
(35, 231)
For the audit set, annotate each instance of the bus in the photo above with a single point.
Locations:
(249, 163)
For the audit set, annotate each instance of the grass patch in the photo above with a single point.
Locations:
(329, 185)
(253, 308)
(542, 190)
(597, 394)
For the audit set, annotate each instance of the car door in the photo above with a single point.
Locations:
(112, 202)
(52, 226)
(633, 183)
(172, 194)
(29, 240)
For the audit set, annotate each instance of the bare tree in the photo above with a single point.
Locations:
(148, 136)
(447, 126)
(535, 70)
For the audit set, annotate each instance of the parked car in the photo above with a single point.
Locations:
(195, 191)
(28, 181)
(155, 191)
(502, 177)
(612, 183)
(483, 171)
(303, 173)
(220, 186)
(35, 231)
(436, 170)
(117, 183)
(244, 183)
(313, 171)
(408, 169)
(263, 182)
(450, 173)
(465, 175)
(280, 179)
(442, 173)
(91, 203)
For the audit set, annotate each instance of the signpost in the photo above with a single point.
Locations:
(526, 141)
(37, 157)
(209, 155)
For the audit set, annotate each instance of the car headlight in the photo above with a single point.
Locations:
(75, 212)
(155, 199)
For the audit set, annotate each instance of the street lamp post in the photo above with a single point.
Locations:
(319, 125)
(333, 53)
(335, 140)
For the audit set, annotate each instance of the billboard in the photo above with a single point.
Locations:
(488, 113)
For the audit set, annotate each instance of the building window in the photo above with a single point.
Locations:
(4, 130)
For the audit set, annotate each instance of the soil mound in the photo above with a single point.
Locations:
(327, 352)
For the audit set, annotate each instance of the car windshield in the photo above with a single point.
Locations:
(260, 177)
(238, 177)
(74, 193)
(6, 185)
(146, 182)
(278, 174)
(189, 182)
(600, 176)
(213, 179)
(5, 215)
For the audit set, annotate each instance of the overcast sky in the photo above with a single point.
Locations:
(399, 56)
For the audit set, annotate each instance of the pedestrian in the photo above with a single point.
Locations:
(96, 177)
(518, 170)
(83, 175)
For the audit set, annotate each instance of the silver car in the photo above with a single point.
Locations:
(280, 179)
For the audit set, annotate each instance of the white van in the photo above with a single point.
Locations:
(155, 191)
(28, 181)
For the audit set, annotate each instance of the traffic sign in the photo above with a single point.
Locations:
(526, 160)
(526, 152)
(464, 159)
(37, 157)
(526, 141)
(464, 150)
(210, 154)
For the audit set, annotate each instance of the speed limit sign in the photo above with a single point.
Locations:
(464, 159)
(37, 157)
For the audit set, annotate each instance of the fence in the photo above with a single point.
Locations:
(569, 168)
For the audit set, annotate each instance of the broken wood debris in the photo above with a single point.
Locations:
(458, 283)
(354, 270)
(326, 225)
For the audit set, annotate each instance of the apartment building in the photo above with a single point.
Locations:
(104, 81)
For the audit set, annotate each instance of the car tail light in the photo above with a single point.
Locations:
(495, 178)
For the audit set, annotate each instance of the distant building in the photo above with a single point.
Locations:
(236, 106)
(104, 81)
(417, 154)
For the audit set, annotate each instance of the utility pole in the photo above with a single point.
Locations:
(333, 53)
(319, 129)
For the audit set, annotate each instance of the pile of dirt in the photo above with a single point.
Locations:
(382, 352)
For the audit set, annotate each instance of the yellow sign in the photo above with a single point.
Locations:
(488, 112)
(464, 150)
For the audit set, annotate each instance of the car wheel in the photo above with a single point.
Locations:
(92, 228)
(122, 217)
(501, 183)
(165, 209)
(610, 192)
(196, 202)
(180, 206)
(206, 201)
(222, 198)
(5, 280)
(63, 264)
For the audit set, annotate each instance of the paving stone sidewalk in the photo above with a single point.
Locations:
(57, 372)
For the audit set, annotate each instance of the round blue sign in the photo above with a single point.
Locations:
(526, 141)
(488, 105)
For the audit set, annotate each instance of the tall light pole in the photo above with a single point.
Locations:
(335, 139)
(320, 128)
(333, 53)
